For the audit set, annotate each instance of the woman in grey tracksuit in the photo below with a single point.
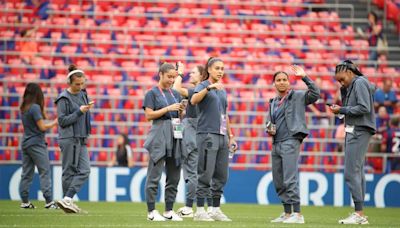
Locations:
(190, 153)
(359, 117)
(287, 116)
(34, 146)
(74, 128)
(162, 106)
(214, 138)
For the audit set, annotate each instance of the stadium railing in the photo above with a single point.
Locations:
(256, 154)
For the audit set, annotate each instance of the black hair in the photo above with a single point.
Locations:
(375, 15)
(209, 63)
(126, 139)
(165, 67)
(33, 95)
(280, 72)
(347, 65)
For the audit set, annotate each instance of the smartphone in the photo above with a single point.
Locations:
(329, 104)
(184, 102)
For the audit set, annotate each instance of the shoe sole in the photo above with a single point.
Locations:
(152, 220)
(65, 208)
(222, 220)
(293, 222)
(363, 223)
(203, 220)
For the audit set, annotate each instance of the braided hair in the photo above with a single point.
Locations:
(347, 65)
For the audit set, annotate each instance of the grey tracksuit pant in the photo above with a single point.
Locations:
(154, 171)
(75, 165)
(31, 156)
(212, 167)
(356, 146)
(190, 176)
(285, 157)
(190, 159)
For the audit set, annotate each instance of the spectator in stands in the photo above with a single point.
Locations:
(386, 96)
(28, 46)
(287, 124)
(214, 139)
(382, 120)
(373, 33)
(391, 143)
(190, 153)
(123, 156)
(73, 109)
(162, 106)
(360, 124)
(34, 146)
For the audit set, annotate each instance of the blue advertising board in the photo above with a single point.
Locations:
(249, 186)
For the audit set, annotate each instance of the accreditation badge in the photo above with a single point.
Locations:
(349, 129)
(178, 128)
(222, 127)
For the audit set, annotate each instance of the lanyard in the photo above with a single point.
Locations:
(283, 99)
(272, 109)
(348, 94)
(165, 98)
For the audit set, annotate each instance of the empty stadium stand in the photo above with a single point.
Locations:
(120, 43)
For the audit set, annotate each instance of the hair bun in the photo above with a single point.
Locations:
(72, 67)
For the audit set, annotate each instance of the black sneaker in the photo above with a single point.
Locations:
(28, 205)
(52, 206)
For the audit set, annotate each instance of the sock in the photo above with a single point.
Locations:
(200, 209)
(68, 199)
(215, 209)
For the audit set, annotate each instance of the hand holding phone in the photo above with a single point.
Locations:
(184, 102)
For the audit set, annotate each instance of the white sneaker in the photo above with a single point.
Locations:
(355, 218)
(51, 206)
(28, 205)
(280, 219)
(172, 216)
(202, 216)
(67, 206)
(295, 218)
(154, 215)
(185, 212)
(209, 209)
(218, 215)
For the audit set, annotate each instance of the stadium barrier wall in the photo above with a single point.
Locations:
(249, 186)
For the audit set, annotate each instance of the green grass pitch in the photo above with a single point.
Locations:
(126, 214)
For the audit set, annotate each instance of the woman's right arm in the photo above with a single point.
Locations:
(152, 115)
(46, 126)
(199, 96)
(178, 87)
